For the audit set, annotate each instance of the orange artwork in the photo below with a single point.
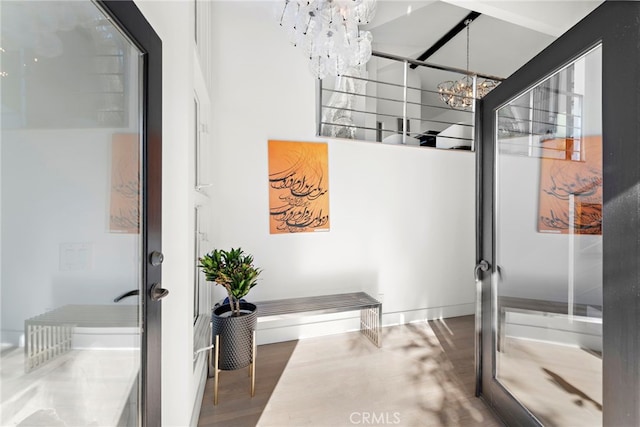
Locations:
(125, 184)
(298, 187)
(571, 170)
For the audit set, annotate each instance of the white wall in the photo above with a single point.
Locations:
(56, 193)
(402, 218)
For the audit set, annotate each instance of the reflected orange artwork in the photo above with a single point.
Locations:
(298, 187)
(571, 170)
(125, 184)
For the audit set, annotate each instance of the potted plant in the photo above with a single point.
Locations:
(235, 321)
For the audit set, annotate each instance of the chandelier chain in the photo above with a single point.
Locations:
(467, 23)
(460, 94)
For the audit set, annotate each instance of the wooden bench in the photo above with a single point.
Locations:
(370, 309)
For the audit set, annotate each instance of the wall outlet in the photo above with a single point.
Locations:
(75, 256)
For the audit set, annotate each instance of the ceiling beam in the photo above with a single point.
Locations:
(445, 39)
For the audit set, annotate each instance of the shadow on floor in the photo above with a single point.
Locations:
(565, 385)
(235, 406)
(445, 351)
(456, 338)
(423, 375)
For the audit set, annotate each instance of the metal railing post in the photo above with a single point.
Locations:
(319, 107)
(404, 102)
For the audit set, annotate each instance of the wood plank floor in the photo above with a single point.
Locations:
(563, 386)
(422, 376)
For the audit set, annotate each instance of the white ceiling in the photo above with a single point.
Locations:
(503, 38)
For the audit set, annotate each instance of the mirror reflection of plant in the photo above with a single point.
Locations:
(234, 270)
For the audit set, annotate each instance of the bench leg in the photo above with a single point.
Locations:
(379, 326)
(502, 318)
(371, 324)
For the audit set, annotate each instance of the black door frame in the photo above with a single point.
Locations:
(128, 18)
(615, 24)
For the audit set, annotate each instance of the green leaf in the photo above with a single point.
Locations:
(232, 269)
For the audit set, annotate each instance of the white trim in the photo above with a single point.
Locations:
(295, 327)
(199, 372)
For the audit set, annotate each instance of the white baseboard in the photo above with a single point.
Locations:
(12, 338)
(87, 338)
(424, 314)
(577, 331)
(105, 338)
(293, 327)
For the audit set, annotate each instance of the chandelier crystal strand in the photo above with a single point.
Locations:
(327, 31)
(460, 94)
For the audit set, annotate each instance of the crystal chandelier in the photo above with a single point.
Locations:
(328, 32)
(460, 94)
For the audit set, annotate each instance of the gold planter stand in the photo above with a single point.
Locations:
(216, 370)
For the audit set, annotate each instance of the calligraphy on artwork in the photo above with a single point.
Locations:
(298, 187)
(571, 186)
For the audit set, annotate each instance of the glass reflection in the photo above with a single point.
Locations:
(70, 202)
(549, 246)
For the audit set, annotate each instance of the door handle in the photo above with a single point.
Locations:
(156, 293)
(126, 295)
(483, 266)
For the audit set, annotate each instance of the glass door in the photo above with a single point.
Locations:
(76, 193)
(549, 245)
(556, 348)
